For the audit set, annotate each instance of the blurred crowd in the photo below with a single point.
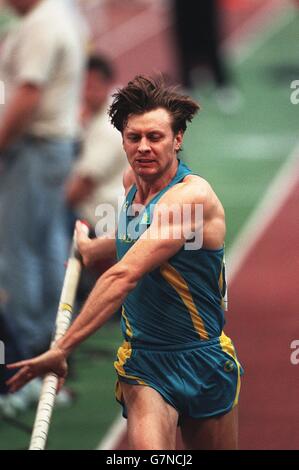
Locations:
(60, 157)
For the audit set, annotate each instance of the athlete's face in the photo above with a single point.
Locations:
(150, 143)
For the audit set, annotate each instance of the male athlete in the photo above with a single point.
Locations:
(175, 366)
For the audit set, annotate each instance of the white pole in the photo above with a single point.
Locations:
(63, 320)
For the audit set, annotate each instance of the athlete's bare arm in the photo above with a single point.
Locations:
(214, 218)
(151, 250)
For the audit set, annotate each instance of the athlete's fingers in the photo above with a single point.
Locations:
(61, 381)
(81, 232)
(22, 377)
(17, 365)
(83, 241)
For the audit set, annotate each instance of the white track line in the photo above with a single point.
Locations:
(136, 30)
(258, 29)
(261, 217)
(114, 434)
(272, 202)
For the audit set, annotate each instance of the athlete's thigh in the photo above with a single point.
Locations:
(216, 433)
(152, 422)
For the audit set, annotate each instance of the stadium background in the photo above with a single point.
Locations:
(251, 158)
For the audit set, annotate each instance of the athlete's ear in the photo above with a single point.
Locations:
(178, 140)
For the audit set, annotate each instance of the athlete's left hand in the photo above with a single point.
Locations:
(53, 360)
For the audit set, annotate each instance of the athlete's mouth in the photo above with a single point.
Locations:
(144, 160)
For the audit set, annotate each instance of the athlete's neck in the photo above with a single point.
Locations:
(147, 189)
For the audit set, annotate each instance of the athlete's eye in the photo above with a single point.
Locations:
(155, 137)
(133, 137)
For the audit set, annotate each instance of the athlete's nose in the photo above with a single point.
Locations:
(143, 146)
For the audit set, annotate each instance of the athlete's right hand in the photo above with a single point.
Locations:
(83, 243)
(53, 360)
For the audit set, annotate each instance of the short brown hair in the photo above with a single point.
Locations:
(143, 94)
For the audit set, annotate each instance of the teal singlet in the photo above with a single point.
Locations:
(180, 302)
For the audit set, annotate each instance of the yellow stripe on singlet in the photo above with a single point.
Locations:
(129, 331)
(220, 283)
(228, 347)
(174, 278)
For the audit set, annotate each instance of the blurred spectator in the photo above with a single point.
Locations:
(97, 175)
(75, 10)
(41, 65)
(198, 39)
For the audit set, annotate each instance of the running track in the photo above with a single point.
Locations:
(264, 306)
(138, 35)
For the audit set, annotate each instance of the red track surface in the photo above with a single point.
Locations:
(155, 53)
(264, 305)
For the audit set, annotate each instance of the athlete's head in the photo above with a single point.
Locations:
(152, 118)
(144, 94)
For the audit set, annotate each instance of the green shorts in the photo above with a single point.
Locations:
(200, 379)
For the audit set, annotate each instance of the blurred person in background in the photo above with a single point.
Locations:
(98, 173)
(41, 64)
(74, 8)
(197, 29)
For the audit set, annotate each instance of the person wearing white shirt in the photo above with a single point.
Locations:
(97, 174)
(41, 65)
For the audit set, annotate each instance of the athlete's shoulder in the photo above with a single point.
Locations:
(197, 184)
(193, 189)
